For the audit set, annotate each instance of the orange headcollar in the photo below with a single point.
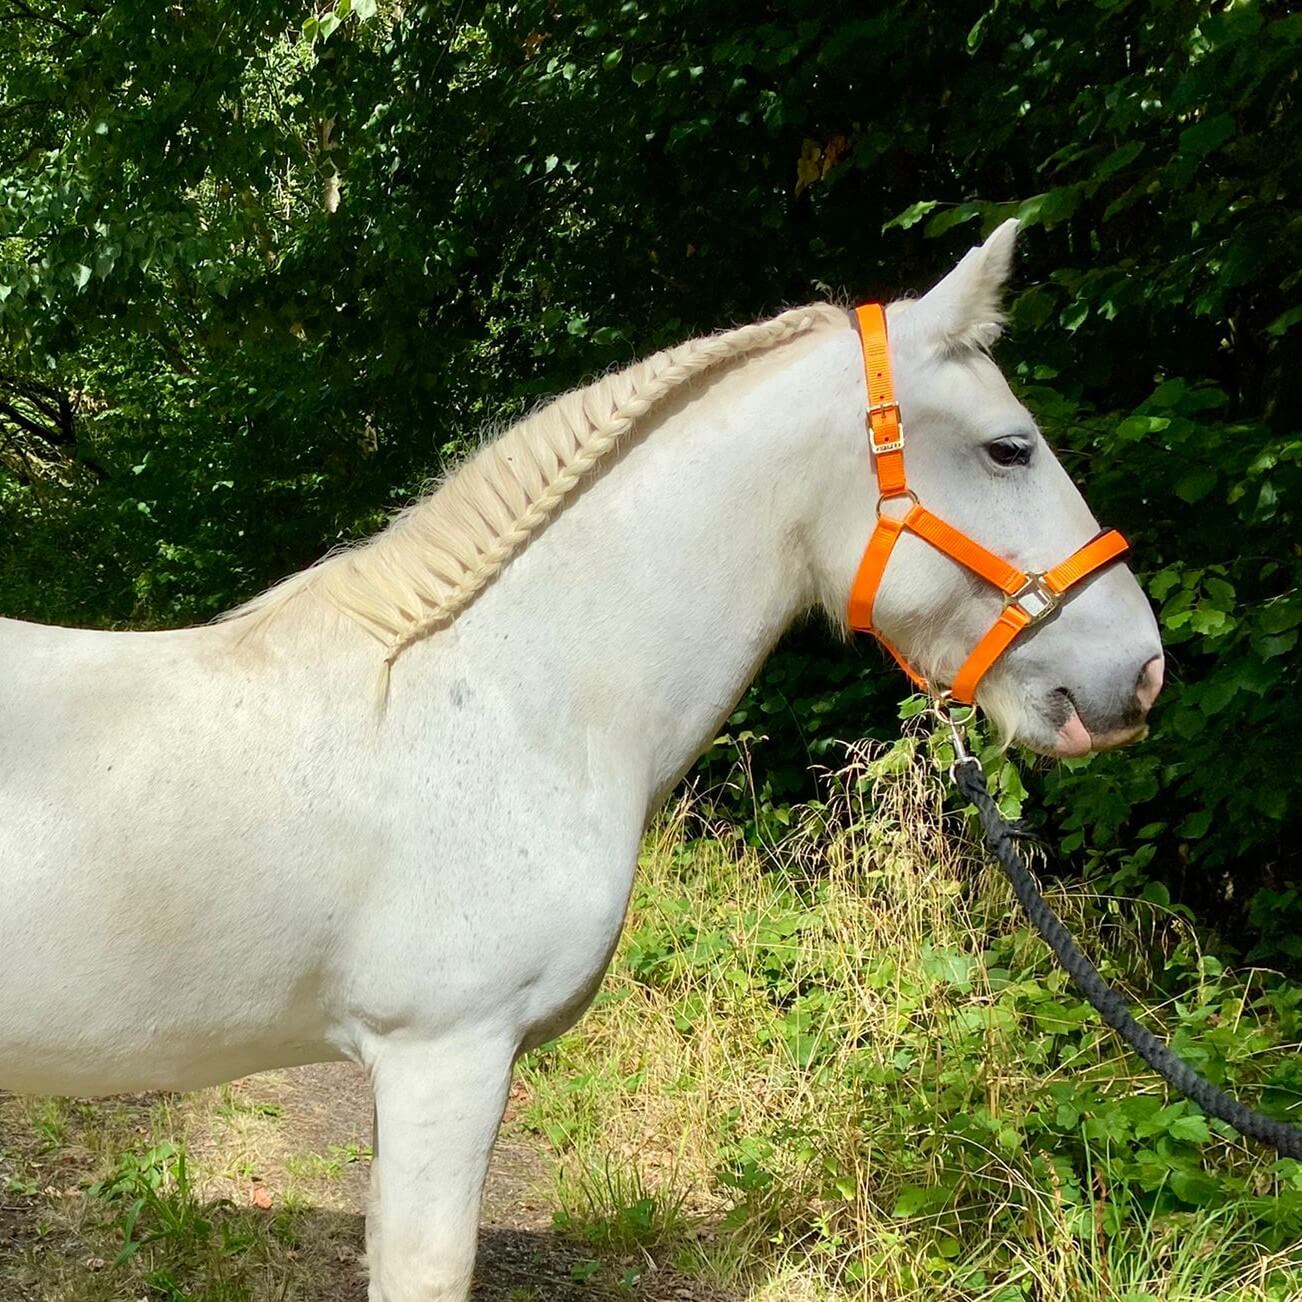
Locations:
(1029, 597)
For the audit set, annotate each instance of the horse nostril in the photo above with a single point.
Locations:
(1150, 682)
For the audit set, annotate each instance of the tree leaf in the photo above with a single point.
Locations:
(1195, 485)
(1207, 135)
(912, 215)
(1119, 158)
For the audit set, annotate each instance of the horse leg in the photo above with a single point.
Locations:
(438, 1105)
(373, 1201)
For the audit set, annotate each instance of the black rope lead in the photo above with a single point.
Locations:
(1000, 840)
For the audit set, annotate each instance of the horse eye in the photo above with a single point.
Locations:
(1009, 452)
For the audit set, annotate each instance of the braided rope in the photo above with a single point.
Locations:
(667, 372)
(999, 839)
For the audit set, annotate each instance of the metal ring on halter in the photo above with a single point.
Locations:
(890, 497)
(940, 707)
(943, 706)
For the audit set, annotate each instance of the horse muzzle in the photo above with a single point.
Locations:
(1075, 738)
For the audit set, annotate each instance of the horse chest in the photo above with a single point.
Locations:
(502, 904)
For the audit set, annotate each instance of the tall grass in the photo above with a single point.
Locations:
(843, 1067)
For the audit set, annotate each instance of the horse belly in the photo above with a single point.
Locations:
(78, 1023)
(134, 958)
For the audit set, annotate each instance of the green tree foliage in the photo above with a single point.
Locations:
(264, 268)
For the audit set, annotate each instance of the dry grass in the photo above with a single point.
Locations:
(154, 1197)
(839, 1068)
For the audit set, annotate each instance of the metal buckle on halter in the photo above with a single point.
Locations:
(896, 443)
(1037, 600)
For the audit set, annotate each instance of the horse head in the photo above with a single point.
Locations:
(1083, 675)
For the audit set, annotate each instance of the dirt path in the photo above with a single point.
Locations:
(305, 1135)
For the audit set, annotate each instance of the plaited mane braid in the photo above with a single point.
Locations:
(435, 558)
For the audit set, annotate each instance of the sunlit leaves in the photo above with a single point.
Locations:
(531, 193)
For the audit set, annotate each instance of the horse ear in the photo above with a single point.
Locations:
(964, 310)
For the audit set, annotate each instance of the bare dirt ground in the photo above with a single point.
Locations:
(326, 1109)
(280, 1163)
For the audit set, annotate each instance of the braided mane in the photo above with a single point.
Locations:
(418, 574)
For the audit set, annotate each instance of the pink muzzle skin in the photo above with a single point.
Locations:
(1074, 739)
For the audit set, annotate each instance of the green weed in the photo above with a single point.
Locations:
(850, 1069)
(616, 1210)
(156, 1200)
(330, 1164)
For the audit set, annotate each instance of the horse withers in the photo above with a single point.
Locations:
(219, 856)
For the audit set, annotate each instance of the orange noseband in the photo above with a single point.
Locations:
(1029, 598)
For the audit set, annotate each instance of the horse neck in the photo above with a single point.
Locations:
(629, 628)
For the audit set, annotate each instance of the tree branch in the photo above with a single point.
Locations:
(25, 11)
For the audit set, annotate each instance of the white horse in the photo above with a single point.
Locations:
(217, 856)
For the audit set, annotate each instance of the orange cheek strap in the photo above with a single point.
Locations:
(1030, 598)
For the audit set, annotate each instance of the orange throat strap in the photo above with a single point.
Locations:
(1028, 597)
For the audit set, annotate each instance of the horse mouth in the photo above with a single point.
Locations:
(1073, 739)
(1119, 737)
